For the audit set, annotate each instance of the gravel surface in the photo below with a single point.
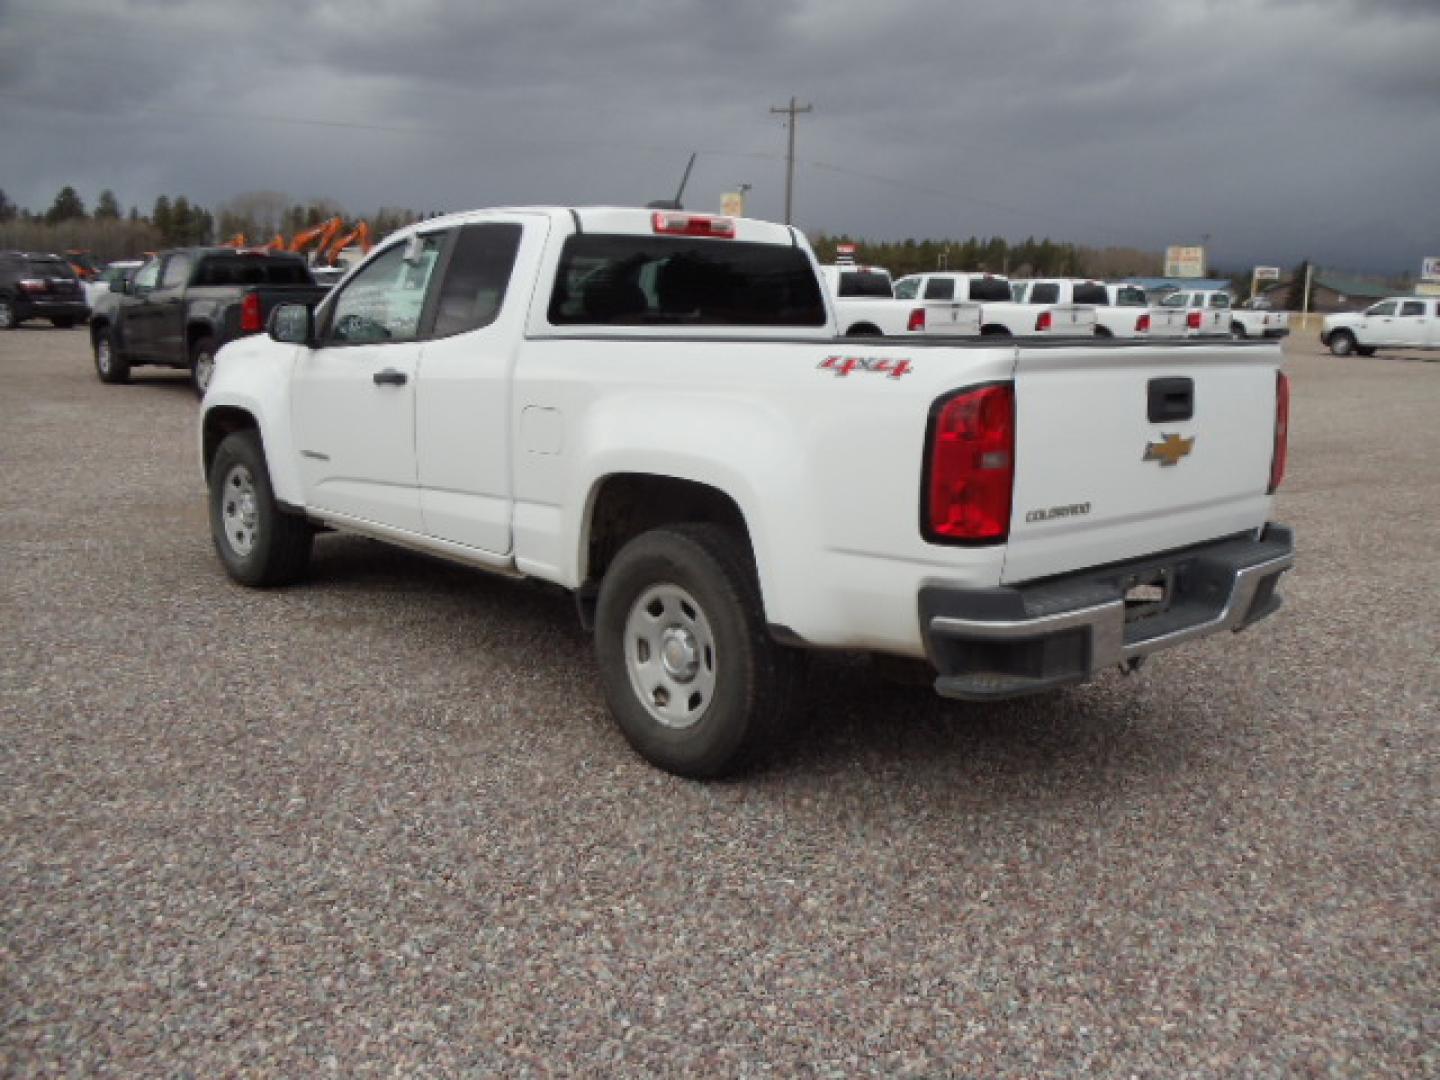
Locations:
(380, 824)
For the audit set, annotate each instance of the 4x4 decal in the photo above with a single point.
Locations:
(881, 365)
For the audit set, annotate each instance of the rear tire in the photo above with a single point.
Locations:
(1342, 343)
(8, 321)
(1237, 331)
(202, 364)
(690, 671)
(109, 365)
(258, 542)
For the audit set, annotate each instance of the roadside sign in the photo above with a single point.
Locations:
(732, 204)
(845, 253)
(1185, 262)
(1267, 273)
(1430, 268)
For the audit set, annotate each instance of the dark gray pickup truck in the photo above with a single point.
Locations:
(183, 305)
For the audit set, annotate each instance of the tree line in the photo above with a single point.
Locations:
(109, 233)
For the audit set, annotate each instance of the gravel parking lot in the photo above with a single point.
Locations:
(381, 824)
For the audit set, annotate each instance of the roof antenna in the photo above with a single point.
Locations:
(674, 204)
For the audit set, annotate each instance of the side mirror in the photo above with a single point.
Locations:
(414, 250)
(121, 286)
(291, 324)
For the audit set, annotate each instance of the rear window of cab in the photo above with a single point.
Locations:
(625, 280)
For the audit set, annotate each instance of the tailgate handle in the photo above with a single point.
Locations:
(1171, 399)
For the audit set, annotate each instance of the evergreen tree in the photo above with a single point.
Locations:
(1295, 298)
(160, 218)
(66, 207)
(8, 209)
(108, 207)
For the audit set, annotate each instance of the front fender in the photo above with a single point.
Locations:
(253, 375)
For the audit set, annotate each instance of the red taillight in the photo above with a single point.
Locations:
(672, 224)
(1282, 430)
(971, 470)
(29, 285)
(916, 320)
(1142, 324)
(1192, 320)
(1044, 320)
(252, 321)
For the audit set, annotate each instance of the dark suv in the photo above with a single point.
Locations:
(39, 286)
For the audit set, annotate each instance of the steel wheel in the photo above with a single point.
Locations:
(204, 369)
(7, 316)
(670, 655)
(240, 514)
(105, 356)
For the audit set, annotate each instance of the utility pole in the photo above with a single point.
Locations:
(791, 110)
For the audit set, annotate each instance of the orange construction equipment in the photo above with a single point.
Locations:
(318, 237)
(358, 235)
(236, 241)
(277, 243)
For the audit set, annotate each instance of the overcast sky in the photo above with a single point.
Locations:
(1278, 128)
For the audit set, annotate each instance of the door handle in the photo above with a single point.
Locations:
(390, 377)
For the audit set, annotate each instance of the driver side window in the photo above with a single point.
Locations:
(384, 301)
(148, 275)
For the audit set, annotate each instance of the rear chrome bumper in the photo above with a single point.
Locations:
(997, 643)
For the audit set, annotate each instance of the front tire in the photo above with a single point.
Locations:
(109, 364)
(202, 364)
(1342, 343)
(690, 672)
(1237, 331)
(258, 542)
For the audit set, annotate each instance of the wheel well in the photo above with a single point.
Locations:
(194, 332)
(1104, 331)
(98, 328)
(219, 423)
(994, 330)
(627, 504)
(863, 329)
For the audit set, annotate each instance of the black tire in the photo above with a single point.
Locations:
(1364, 350)
(863, 330)
(1104, 332)
(8, 321)
(995, 331)
(259, 543)
(62, 324)
(750, 677)
(1342, 343)
(202, 364)
(109, 364)
(1237, 331)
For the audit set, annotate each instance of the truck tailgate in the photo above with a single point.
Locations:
(1109, 466)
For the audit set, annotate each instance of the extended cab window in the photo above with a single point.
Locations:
(177, 272)
(992, 289)
(1045, 292)
(384, 301)
(1387, 308)
(1220, 300)
(907, 288)
(1175, 300)
(1412, 307)
(1092, 294)
(623, 280)
(476, 279)
(940, 289)
(1130, 297)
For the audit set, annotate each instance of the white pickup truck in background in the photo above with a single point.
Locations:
(1401, 322)
(1110, 322)
(1256, 318)
(1207, 311)
(864, 301)
(1000, 314)
(1164, 322)
(652, 410)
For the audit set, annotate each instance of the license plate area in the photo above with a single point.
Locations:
(1148, 593)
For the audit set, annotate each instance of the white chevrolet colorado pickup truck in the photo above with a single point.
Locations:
(1402, 322)
(1108, 322)
(653, 410)
(864, 301)
(1001, 315)
(1207, 311)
